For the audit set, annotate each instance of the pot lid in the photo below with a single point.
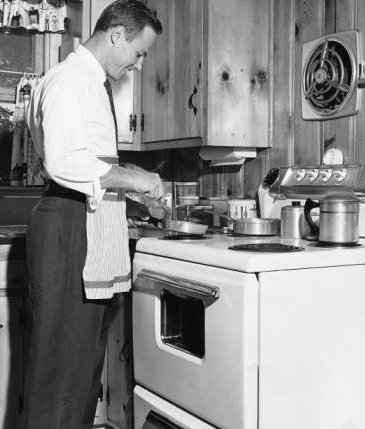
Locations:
(341, 199)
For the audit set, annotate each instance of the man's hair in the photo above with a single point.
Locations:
(133, 15)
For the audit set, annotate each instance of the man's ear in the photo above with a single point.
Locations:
(118, 34)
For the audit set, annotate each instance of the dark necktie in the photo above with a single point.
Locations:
(108, 88)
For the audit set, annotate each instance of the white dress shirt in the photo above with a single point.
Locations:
(71, 123)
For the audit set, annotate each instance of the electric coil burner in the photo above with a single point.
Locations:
(184, 237)
(266, 247)
(334, 245)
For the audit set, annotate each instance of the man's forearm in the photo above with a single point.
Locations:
(117, 177)
(134, 180)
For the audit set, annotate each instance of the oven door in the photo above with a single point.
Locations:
(195, 338)
(152, 412)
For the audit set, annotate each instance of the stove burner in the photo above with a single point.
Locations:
(184, 237)
(326, 245)
(266, 247)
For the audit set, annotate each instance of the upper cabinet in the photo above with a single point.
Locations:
(172, 76)
(236, 70)
(205, 80)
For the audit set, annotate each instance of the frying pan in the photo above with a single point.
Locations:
(184, 227)
(180, 226)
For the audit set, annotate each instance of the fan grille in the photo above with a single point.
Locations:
(328, 77)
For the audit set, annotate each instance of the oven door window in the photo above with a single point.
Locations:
(156, 421)
(182, 323)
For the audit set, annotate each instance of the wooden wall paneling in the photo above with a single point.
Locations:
(309, 23)
(222, 182)
(254, 170)
(359, 149)
(330, 17)
(280, 154)
(339, 133)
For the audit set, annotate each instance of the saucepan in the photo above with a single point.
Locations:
(253, 225)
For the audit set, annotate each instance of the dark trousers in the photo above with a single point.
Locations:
(68, 334)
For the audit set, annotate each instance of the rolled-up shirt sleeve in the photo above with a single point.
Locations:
(63, 111)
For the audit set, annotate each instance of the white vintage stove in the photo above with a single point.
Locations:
(247, 339)
(242, 332)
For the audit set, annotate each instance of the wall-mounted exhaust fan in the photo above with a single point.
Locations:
(331, 67)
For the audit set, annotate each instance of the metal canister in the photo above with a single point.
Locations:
(339, 221)
(293, 223)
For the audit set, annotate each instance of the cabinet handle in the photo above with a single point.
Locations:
(132, 122)
(190, 101)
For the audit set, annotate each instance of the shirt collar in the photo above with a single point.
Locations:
(92, 62)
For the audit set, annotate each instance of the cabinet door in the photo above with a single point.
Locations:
(119, 364)
(11, 358)
(125, 101)
(172, 73)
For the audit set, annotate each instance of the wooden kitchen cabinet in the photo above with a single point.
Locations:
(172, 75)
(205, 82)
(12, 342)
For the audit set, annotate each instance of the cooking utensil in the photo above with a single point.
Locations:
(338, 221)
(252, 226)
(293, 223)
(256, 226)
(184, 226)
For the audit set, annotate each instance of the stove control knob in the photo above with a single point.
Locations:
(312, 174)
(299, 175)
(340, 174)
(325, 175)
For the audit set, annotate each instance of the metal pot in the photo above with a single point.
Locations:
(256, 226)
(338, 220)
(252, 226)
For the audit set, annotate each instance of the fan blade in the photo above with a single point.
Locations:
(336, 85)
(324, 52)
(310, 89)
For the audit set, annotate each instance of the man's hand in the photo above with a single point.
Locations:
(134, 179)
(137, 213)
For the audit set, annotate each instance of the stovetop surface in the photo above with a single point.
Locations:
(216, 252)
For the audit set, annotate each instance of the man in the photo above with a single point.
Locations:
(77, 241)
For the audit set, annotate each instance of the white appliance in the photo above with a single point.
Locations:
(331, 73)
(248, 339)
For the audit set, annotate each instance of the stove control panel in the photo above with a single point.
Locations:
(320, 180)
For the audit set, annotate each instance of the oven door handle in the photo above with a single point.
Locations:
(188, 287)
(159, 422)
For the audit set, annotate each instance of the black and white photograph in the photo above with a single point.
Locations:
(182, 214)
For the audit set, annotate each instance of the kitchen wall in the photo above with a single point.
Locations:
(293, 140)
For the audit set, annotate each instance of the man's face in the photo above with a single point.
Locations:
(128, 55)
